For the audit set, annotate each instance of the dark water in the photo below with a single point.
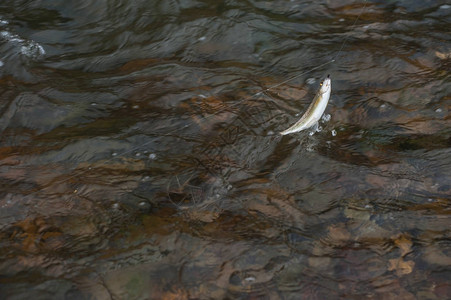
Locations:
(137, 160)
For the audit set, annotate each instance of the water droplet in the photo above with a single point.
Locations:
(202, 38)
(138, 154)
(250, 279)
(311, 80)
(438, 110)
(135, 106)
(229, 187)
(152, 156)
(1, 63)
(341, 20)
(334, 132)
(383, 105)
(93, 104)
(445, 6)
(114, 154)
(142, 203)
(116, 205)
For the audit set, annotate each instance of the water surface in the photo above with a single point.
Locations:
(139, 160)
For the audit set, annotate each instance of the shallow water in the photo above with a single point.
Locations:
(138, 159)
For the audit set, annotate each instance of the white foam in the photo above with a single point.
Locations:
(33, 49)
(27, 48)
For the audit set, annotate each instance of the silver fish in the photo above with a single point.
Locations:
(315, 110)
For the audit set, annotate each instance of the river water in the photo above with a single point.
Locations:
(140, 156)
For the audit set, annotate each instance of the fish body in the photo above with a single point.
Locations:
(315, 110)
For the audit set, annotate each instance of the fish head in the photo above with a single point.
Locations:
(325, 85)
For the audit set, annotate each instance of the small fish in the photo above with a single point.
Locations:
(315, 110)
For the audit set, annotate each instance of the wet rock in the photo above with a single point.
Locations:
(319, 263)
(435, 256)
(400, 266)
(404, 243)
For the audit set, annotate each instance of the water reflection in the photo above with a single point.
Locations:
(139, 157)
